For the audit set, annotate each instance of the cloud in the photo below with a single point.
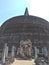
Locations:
(39, 8)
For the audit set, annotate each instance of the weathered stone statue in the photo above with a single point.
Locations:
(25, 48)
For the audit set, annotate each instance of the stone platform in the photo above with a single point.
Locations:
(23, 62)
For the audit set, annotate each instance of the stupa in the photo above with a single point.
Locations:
(24, 37)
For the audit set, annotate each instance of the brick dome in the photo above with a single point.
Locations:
(23, 24)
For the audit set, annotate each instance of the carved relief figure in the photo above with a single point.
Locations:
(25, 48)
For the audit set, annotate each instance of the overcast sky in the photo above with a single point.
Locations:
(11, 8)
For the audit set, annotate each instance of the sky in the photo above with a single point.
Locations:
(11, 8)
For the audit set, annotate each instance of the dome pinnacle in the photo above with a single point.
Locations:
(26, 12)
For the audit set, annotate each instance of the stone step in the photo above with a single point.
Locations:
(23, 62)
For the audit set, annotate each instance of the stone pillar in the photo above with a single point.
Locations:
(13, 52)
(44, 51)
(48, 51)
(4, 54)
(18, 51)
(36, 52)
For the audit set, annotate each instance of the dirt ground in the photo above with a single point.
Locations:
(23, 62)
